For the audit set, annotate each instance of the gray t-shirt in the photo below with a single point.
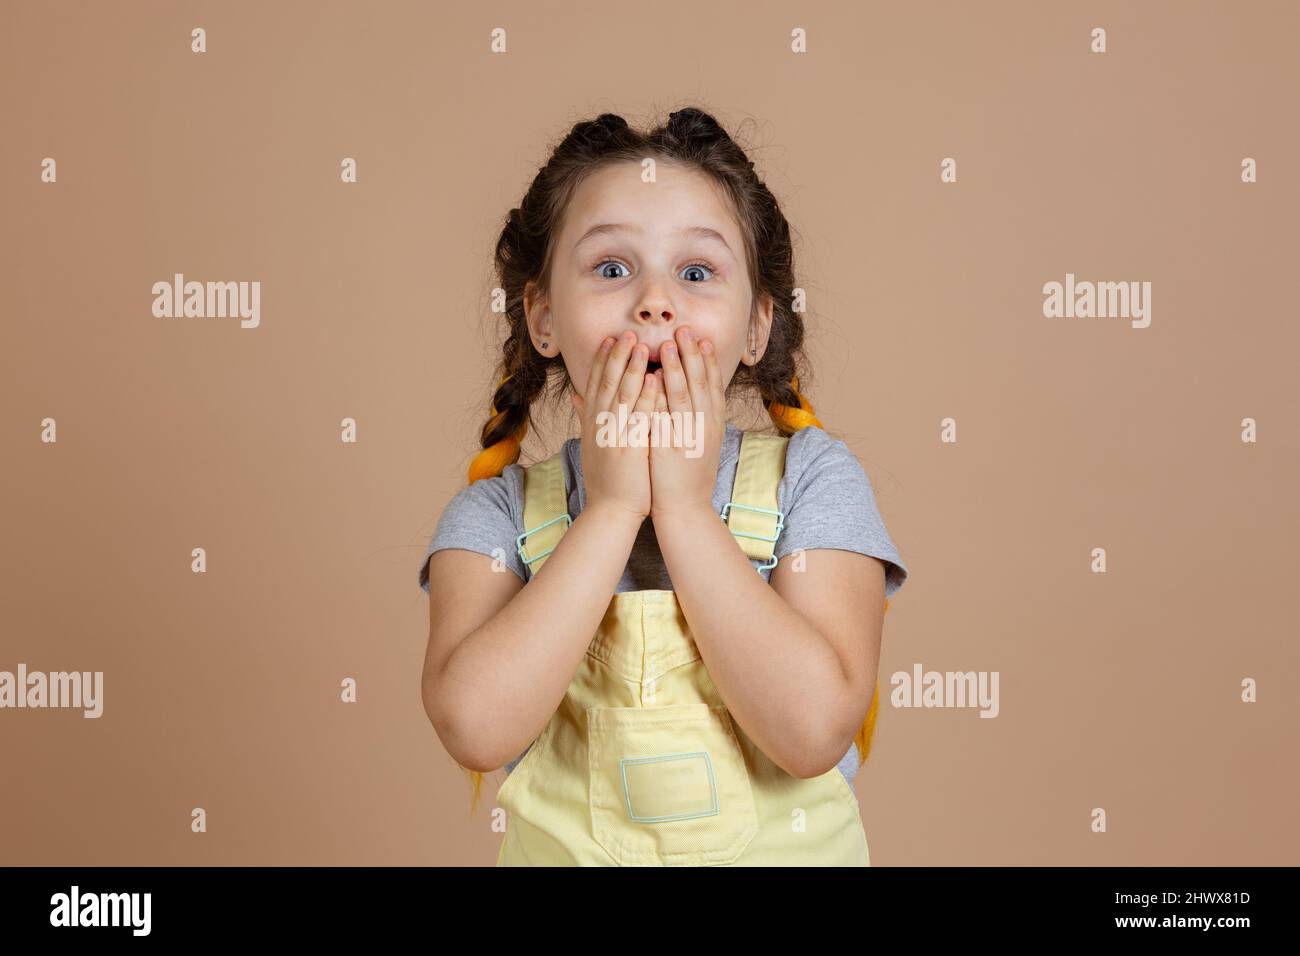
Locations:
(825, 494)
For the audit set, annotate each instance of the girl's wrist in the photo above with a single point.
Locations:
(614, 513)
(682, 511)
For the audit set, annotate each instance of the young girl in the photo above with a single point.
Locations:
(653, 699)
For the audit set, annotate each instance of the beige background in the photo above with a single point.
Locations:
(1119, 691)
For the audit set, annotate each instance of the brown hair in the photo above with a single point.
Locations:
(524, 254)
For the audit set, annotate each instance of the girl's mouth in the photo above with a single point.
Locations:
(651, 365)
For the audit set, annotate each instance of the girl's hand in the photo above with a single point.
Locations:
(690, 383)
(619, 474)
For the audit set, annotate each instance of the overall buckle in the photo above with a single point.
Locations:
(780, 526)
(519, 540)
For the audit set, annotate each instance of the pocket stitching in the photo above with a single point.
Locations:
(713, 811)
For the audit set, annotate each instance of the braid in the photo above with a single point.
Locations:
(794, 414)
(508, 422)
(503, 434)
(868, 728)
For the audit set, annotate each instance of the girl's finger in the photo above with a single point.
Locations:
(697, 376)
(664, 426)
(611, 373)
(597, 369)
(676, 391)
(714, 374)
(645, 402)
(634, 378)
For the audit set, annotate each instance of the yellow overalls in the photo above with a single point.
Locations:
(642, 764)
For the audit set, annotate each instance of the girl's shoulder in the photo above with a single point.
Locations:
(830, 503)
(814, 452)
(484, 517)
(813, 440)
(499, 493)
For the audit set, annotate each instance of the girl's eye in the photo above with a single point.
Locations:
(698, 267)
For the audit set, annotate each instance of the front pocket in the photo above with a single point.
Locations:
(669, 786)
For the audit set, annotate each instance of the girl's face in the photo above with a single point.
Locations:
(650, 257)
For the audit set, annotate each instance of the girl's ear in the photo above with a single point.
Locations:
(537, 316)
(760, 329)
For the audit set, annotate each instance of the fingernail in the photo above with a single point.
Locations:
(706, 347)
(669, 348)
(688, 335)
(606, 344)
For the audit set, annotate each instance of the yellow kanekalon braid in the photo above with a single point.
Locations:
(789, 420)
(492, 461)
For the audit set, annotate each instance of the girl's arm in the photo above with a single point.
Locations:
(795, 662)
(502, 655)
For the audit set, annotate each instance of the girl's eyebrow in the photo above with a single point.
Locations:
(702, 232)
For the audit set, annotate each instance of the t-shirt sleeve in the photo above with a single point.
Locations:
(829, 503)
(482, 517)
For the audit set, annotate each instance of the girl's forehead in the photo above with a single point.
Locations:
(616, 201)
(646, 187)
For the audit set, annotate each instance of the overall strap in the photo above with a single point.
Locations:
(546, 511)
(751, 514)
